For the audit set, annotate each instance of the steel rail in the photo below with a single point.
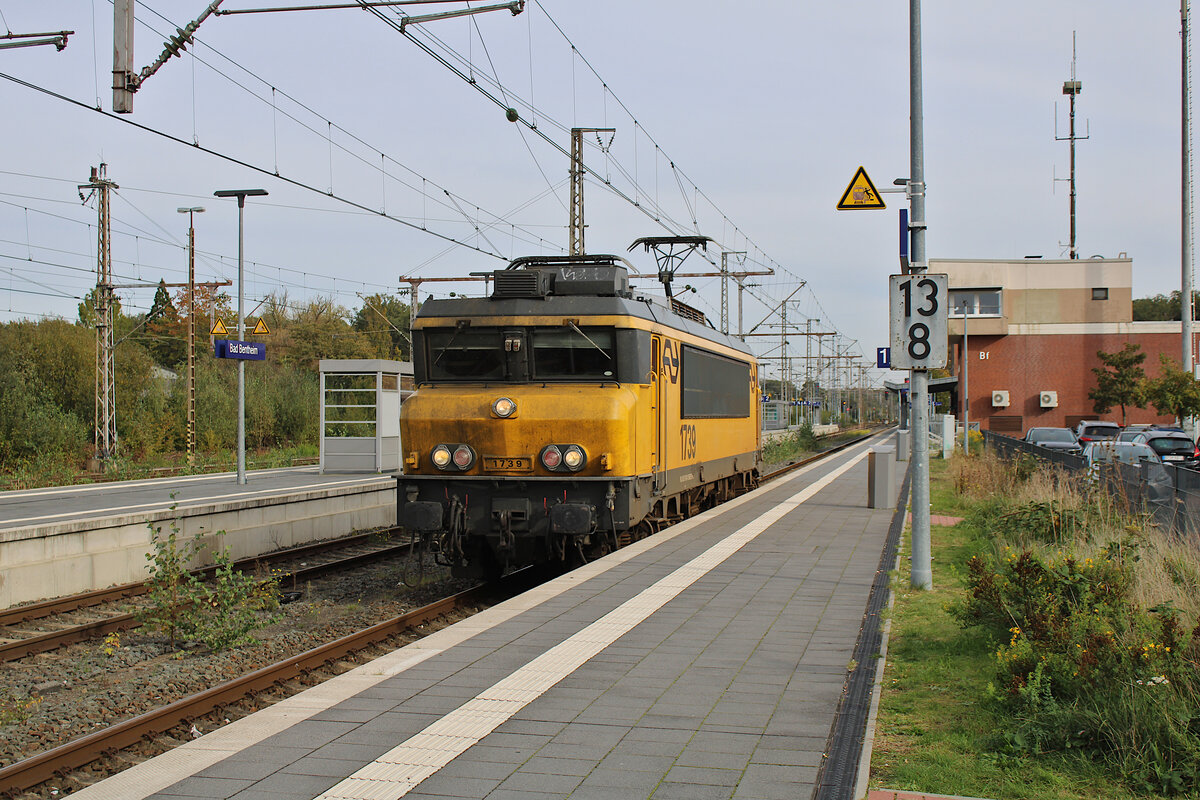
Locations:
(770, 476)
(60, 760)
(21, 648)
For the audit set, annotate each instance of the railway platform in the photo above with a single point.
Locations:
(64, 540)
(707, 661)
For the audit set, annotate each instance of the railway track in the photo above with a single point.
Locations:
(78, 753)
(83, 616)
(80, 617)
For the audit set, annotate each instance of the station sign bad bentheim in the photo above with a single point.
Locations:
(246, 351)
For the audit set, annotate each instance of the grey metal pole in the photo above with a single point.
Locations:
(921, 575)
(966, 385)
(1185, 306)
(241, 195)
(241, 426)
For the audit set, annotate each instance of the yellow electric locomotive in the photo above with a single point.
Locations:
(564, 416)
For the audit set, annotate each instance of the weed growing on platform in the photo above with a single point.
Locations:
(220, 613)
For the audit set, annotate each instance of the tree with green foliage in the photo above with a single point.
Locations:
(383, 320)
(1119, 381)
(165, 331)
(1174, 391)
(1162, 308)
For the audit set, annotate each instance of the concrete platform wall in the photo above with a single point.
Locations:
(44, 561)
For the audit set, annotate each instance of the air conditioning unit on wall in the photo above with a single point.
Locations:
(1000, 398)
(1048, 399)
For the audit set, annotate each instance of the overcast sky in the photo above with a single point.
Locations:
(743, 122)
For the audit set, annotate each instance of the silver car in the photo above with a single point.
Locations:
(1097, 456)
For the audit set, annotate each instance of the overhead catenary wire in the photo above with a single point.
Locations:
(329, 124)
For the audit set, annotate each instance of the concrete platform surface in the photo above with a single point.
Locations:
(61, 506)
(704, 662)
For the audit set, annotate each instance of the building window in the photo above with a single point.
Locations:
(1100, 294)
(975, 302)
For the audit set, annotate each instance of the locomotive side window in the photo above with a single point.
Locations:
(714, 386)
(466, 354)
(573, 352)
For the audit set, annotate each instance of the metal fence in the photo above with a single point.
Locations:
(1169, 494)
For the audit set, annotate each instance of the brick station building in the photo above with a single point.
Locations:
(1033, 329)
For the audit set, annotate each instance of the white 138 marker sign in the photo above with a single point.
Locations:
(918, 312)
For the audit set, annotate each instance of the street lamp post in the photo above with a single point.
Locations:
(241, 195)
(191, 334)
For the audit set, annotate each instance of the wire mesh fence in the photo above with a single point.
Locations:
(1169, 494)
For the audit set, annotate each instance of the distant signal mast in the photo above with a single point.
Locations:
(1071, 89)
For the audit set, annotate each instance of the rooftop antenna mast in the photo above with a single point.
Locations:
(1071, 89)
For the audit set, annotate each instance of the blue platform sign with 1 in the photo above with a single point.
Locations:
(918, 315)
(883, 357)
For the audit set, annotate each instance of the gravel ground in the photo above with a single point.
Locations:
(54, 697)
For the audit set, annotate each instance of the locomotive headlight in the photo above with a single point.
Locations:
(551, 456)
(504, 407)
(440, 456)
(464, 457)
(574, 458)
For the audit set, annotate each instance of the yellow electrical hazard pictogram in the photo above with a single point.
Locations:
(218, 328)
(861, 193)
(260, 329)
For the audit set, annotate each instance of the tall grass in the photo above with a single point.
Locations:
(1093, 611)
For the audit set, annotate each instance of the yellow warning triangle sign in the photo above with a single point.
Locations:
(260, 328)
(218, 328)
(861, 193)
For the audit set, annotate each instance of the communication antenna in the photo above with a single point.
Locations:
(1071, 89)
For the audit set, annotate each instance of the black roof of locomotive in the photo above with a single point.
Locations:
(606, 296)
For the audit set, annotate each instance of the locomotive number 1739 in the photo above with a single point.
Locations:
(687, 441)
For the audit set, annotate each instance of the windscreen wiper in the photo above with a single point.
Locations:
(575, 328)
(458, 328)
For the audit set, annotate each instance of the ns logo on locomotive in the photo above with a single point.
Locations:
(565, 416)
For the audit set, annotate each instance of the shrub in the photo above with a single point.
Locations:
(220, 613)
(1094, 620)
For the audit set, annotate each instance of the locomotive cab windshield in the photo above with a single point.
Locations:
(522, 355)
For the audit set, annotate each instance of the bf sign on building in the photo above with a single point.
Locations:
(918, 314)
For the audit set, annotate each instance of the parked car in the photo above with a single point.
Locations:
(1054, 439)
(1095, 430)
(1173, 447)
(1097, 456)
(1108, 451)
(1128, 435)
